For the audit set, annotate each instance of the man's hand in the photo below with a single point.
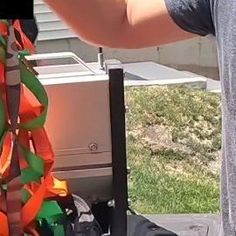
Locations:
(120, 23)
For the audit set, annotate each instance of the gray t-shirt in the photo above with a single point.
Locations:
(218, 17)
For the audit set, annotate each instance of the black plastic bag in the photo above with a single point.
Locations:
(140, 226)
(85, 224)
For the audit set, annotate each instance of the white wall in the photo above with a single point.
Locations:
(199, 52)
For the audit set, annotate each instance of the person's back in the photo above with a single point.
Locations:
(138, 23)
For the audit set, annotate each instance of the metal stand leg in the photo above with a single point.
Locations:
(117, 108)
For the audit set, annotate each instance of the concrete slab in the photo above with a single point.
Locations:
(189, 225)
(151, 73)
(213, 86)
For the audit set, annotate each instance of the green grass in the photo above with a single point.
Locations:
(173, 149)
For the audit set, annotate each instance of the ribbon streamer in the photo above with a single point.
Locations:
(27, 185)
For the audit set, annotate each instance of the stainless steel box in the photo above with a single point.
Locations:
(78, 124)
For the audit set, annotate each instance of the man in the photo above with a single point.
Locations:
(142, 23)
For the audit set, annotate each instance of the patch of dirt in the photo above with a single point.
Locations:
(158, 137)
(214, 166)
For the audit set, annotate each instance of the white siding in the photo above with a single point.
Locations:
(50, 26)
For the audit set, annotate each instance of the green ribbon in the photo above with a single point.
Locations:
(50, 210)
(53, 214)
(2, 55)
(25, 196)
(33, 84)
(59, 230)
(35, 170)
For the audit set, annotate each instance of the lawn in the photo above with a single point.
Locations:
(173, 149)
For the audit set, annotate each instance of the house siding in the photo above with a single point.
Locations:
(50, 26)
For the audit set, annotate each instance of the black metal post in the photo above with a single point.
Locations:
(119, 162)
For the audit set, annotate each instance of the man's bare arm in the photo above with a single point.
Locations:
(120, 23)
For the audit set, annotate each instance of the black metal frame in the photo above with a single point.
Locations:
(119, 162)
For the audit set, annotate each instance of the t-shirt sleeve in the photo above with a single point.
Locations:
(194, 16)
